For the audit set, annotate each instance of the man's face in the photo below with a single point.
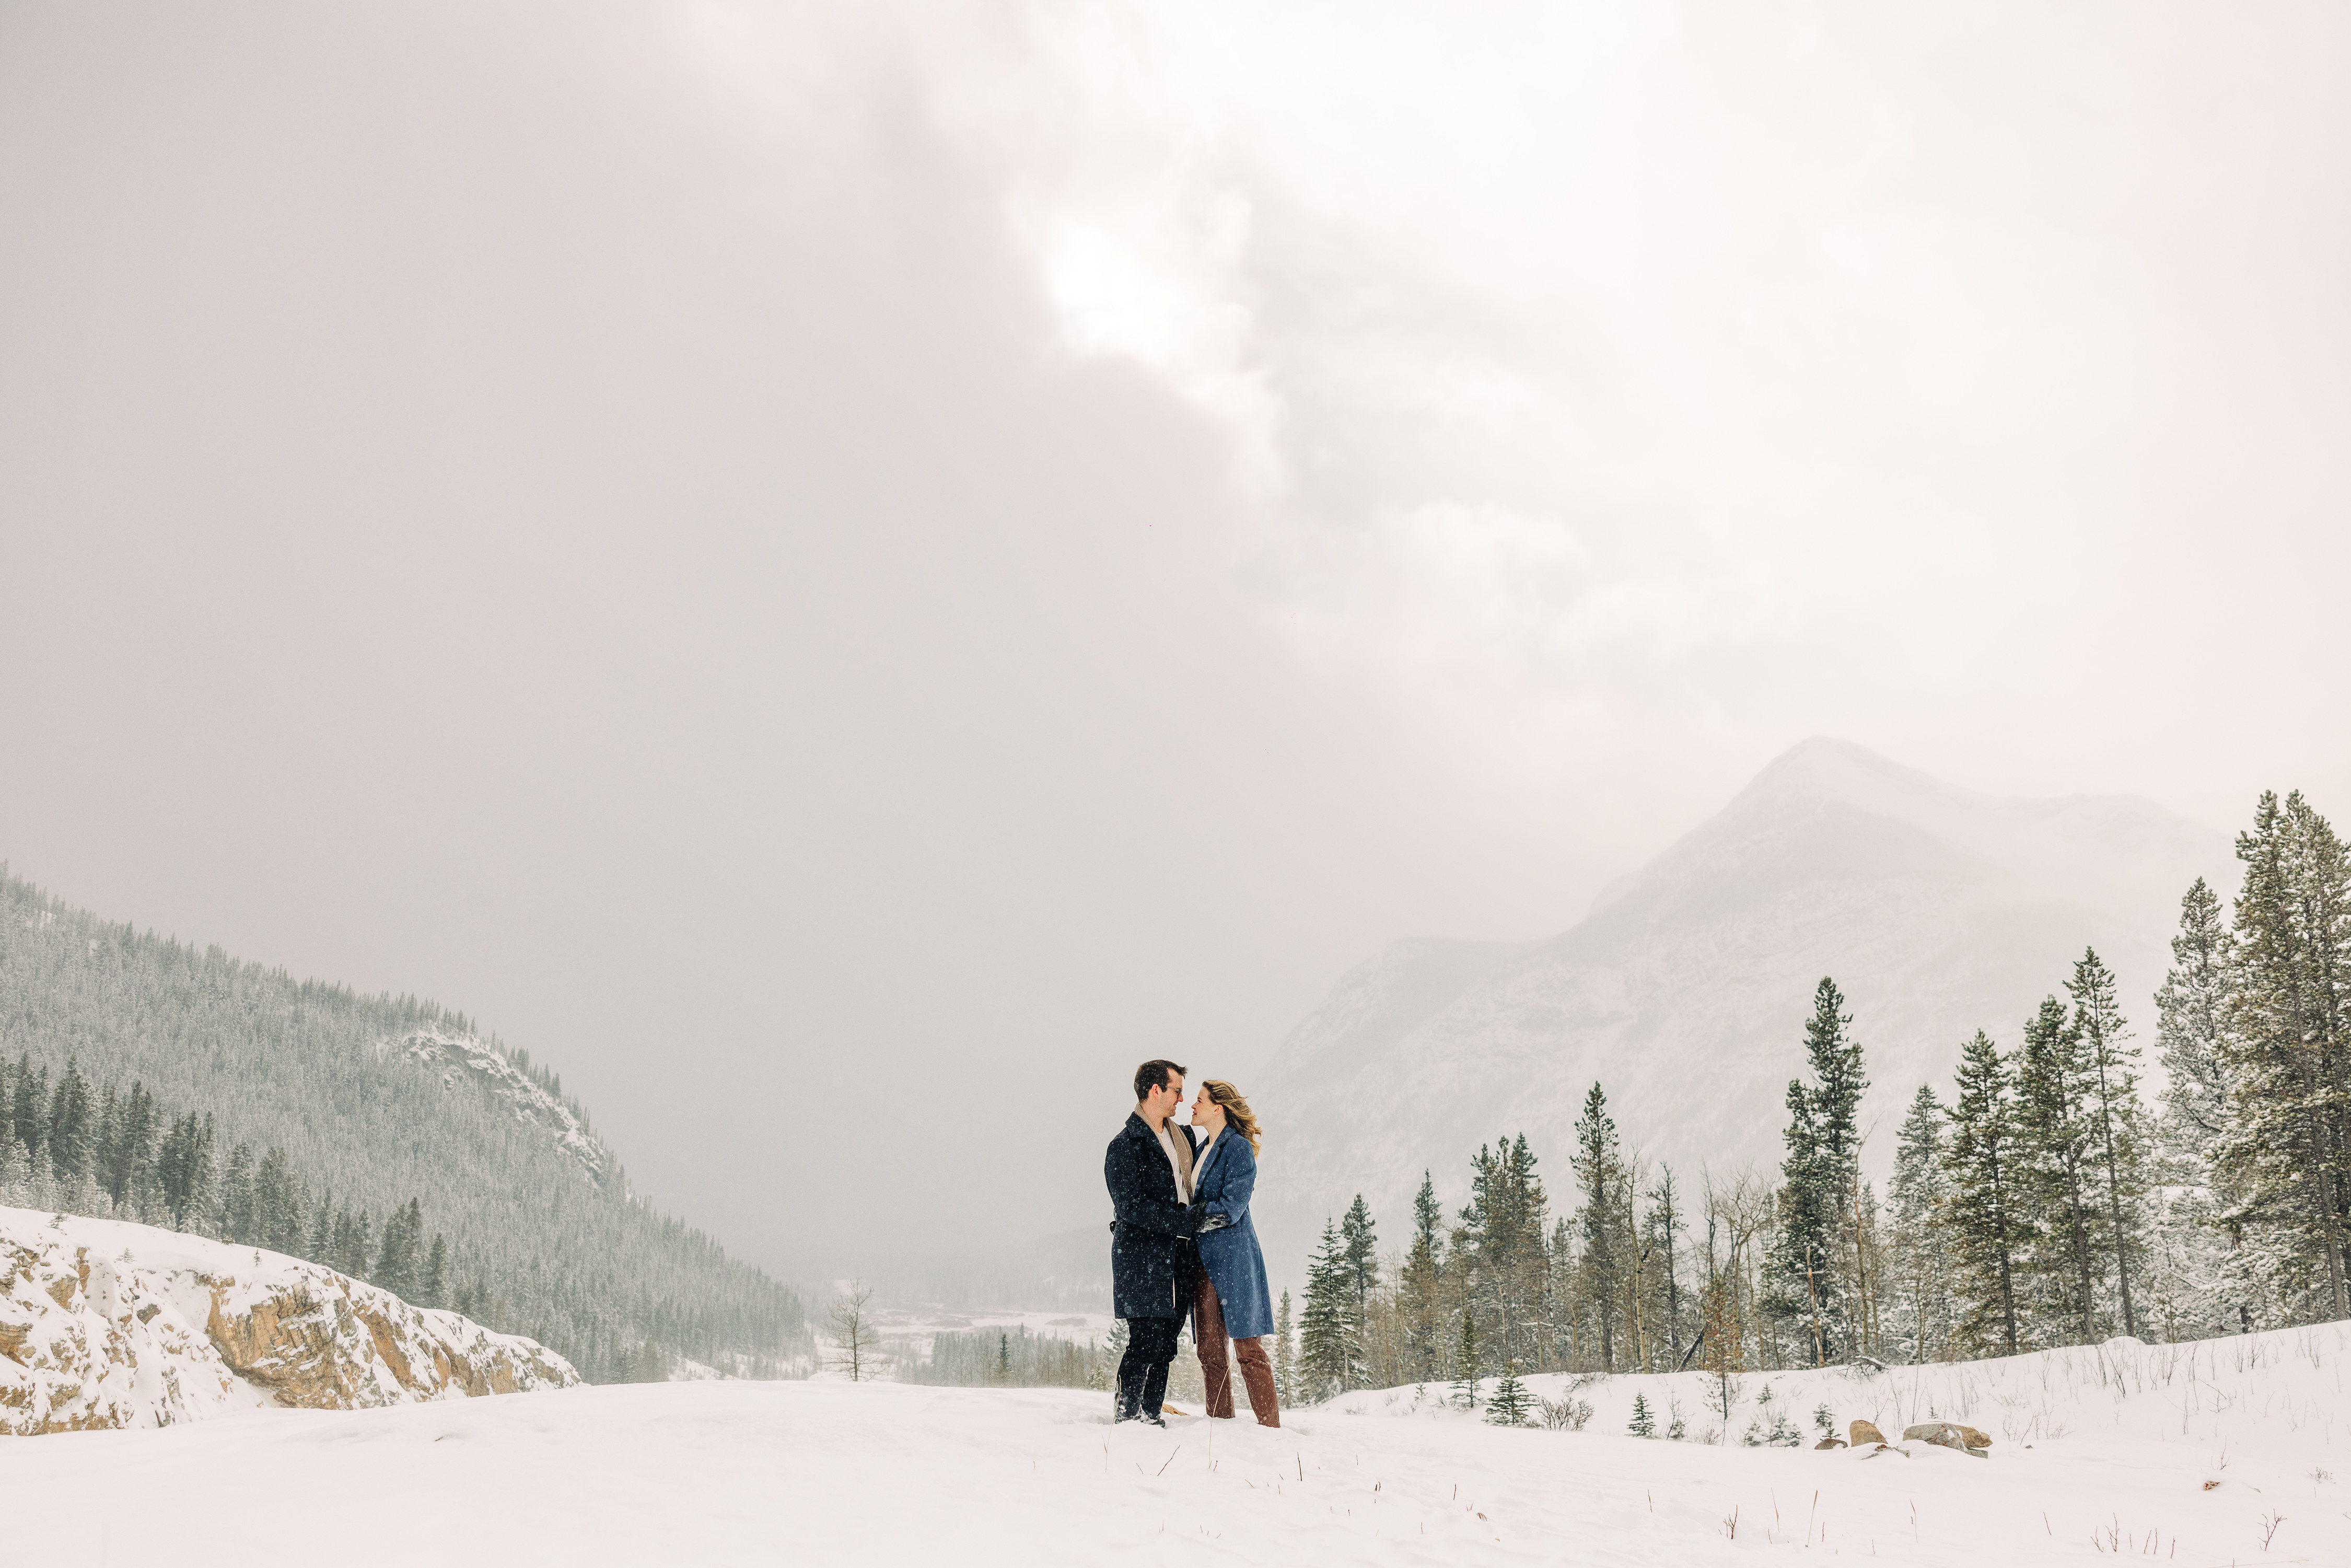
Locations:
(1164, 1100)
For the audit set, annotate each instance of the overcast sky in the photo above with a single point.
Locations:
(841, 573)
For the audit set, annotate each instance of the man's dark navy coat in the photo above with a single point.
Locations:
(1150, 1251)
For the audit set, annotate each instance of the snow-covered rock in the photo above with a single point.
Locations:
(107, 1324)
(1684, 990)
(463, 1057)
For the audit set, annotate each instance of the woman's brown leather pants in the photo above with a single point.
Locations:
(1216, 1365)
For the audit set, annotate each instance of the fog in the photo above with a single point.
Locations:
(842, 574)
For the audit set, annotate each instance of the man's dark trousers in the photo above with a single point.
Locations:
(1150, 1348)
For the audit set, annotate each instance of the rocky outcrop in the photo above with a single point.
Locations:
(460, 1058)
(1862, 1432)
(107, 1324)
(1949, 1435)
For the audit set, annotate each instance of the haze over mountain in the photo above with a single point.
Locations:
(1684, 990)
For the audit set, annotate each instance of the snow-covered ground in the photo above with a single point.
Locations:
(2183, 1454)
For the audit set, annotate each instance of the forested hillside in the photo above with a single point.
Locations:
(146, 1079)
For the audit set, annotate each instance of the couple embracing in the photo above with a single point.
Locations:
(1183, 1245)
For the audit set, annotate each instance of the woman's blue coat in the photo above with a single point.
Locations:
(1234, 1263)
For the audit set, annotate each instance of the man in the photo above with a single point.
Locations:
(1152, 1263)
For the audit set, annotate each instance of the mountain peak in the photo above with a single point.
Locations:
(1823, 768)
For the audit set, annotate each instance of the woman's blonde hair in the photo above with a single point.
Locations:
(1236, 1109)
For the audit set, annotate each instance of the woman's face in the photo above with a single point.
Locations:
(1207, 1115)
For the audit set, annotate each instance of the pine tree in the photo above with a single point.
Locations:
(2119, 1149)
(1114, 1349)
(1644, 1423)
(1510, 1401)
(70, 1130)
(236, 1197)
(1285, 1361)
(1500, 1258)
(1467, 1365)
(1985, 1218)
(1820, 1173)
(1419, 1283)
(431, 1291)
(2195, 1242)
(2286, 1150)
(1355, 1230)
(2192, 1012)
(2055, 1083)
(1919, 1192)
(1328, 1353)
(1599, 1167)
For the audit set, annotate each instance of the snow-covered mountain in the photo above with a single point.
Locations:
(109, 1324)
(1684, 990)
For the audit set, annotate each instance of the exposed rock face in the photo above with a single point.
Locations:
(460, 1057)
(109, 1324)
(1865, 1432)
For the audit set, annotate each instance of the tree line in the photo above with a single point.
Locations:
(2046, 1202)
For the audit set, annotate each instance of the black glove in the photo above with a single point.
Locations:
(1207, 1222)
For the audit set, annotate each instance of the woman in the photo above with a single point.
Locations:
(1230, 1298)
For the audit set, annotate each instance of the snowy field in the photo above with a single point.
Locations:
(2223, 1453)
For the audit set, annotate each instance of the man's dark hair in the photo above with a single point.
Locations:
(1152, 1074)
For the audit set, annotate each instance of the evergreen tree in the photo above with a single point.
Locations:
(1919, 1193)
(396, 1257)
(70, 1131)
(1985, 1216)
(2119, 1150)
(2285, 1153)
(1599, 1167)
(1501, 1261)
(1285, 1360)
(1466, 1364)
(1362, 1256)
(1820, 1173)
(2194, 1236)
(1419, 1284)
(431, 1291)
(1510, 1401)
(2192, 1012)
(184, 1171)
(2055, 1083)
(30, 1094)
(278, 1208)
(1644, 1423)
(1328, 1353)
(236, 1198)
